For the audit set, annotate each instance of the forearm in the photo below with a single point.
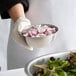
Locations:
(16, 11)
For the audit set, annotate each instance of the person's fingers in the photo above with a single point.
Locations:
(20, 39)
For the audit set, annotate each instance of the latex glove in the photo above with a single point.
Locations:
(20, 25)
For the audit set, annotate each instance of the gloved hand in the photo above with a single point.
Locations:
(20, 25)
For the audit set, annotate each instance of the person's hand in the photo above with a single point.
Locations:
(20, 25)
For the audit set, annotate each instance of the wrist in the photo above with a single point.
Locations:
(16, 11)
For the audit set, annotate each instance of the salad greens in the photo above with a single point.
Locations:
(57, 67)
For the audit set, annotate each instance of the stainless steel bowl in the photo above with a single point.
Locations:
(40, 42)
(29, 68)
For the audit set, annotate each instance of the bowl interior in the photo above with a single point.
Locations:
(49, 25)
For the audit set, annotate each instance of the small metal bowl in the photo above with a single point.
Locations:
(40, 42)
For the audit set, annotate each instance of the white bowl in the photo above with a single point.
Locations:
(40, 42)
(29, 68)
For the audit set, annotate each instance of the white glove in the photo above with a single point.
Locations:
(23, 23)
(20, 25)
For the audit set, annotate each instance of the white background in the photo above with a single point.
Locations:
(4, 33)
